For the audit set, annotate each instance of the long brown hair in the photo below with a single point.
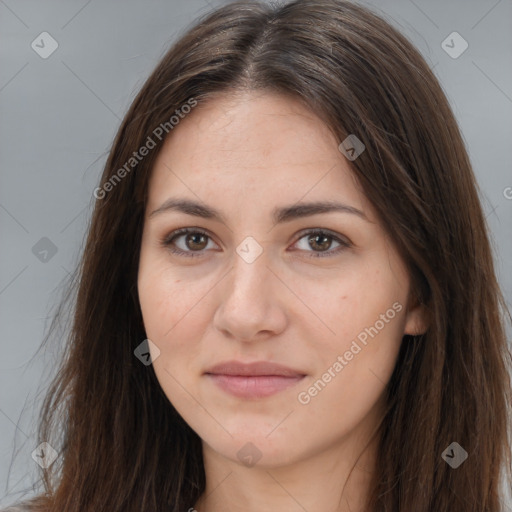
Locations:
(122, 445)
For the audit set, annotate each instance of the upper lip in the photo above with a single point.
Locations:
(257, 368)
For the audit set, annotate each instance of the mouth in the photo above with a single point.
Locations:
(254, 380)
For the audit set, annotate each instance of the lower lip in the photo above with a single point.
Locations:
(254, 386)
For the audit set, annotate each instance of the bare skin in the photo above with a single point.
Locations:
(245, 155)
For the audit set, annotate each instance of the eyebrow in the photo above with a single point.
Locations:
(279, 214)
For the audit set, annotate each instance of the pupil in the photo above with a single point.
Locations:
(193, 237)
(324, 237)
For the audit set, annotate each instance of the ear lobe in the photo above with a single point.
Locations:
(416, 320)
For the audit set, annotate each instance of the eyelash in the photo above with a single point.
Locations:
(168, 241)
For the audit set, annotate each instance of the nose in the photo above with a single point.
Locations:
(252, 299)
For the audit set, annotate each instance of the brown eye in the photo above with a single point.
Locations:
(321, 241)
(193, 241)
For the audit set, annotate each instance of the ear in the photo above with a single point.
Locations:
(416, 319)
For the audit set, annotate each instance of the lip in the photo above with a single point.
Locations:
(254, 380)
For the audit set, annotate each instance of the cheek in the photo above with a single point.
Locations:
(166, 297)
(172, 313)
(366, 312)
(361, 304)
(170, 307)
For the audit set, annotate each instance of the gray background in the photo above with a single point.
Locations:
(59, 116)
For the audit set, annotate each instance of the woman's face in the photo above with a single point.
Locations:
(266, 278)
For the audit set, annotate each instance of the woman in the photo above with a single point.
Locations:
(287, 298)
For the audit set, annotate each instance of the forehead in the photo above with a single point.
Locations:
(253, 147)
(252, 127)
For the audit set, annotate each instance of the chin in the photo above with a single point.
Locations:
(253, 447)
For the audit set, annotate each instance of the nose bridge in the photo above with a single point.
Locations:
(248, 305)
(250, 275)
